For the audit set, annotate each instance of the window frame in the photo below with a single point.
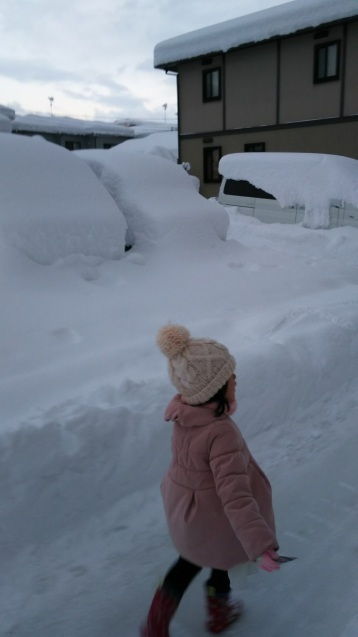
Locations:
(210, 176)
(72, 144)
(326, 78)
(208, 95)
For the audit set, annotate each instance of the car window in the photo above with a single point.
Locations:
(243, 188)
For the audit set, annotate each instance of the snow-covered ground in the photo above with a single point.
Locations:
(83, 444)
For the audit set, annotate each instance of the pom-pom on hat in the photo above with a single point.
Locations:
(198, 367)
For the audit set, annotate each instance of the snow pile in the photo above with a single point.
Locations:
(308, 179)
(162, 144)
(159, 200)
(255, 27)
(52, 206)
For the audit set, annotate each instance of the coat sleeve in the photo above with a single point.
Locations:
(230, 471)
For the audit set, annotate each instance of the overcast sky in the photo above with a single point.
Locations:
(95, 57)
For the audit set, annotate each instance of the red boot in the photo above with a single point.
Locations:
(222, 610)
(160, 614)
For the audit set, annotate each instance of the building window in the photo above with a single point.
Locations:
(211, 164)
(258, 147)
(72, 145)
(212, 85)
(326, 62)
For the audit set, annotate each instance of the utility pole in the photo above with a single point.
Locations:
(165, 106)
(50, 99)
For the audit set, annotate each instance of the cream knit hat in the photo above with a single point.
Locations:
(198, 367)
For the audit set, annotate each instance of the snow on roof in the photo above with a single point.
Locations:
(142, 128)
(43, 124)
(276, 21)
(308, 179)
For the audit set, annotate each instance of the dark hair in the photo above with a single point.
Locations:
(221, 400)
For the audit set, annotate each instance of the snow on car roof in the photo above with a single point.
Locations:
(308, 179)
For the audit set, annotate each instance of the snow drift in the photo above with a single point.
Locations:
(159, 200)
(52, 205)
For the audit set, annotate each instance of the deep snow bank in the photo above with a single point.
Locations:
(52, 206)
(159, 200)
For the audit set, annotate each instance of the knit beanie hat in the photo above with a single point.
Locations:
(198, 367)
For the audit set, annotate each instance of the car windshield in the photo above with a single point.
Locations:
(242, 188)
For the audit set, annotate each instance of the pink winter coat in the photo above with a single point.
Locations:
(216, 498)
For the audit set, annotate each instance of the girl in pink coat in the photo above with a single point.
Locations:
(216, 498)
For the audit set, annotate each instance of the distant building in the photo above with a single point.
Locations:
(281, 79)
(73, 134)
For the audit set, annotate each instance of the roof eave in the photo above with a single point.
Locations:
(173, 66)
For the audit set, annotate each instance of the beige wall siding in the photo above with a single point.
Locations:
(351, 86)
(251, 86)
(300, 98)
(339, 139)
(192, 151)
(195, 115)
(250, 99)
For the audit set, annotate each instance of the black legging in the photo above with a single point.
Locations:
(183, 572)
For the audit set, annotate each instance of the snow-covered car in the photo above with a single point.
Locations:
(318, 190)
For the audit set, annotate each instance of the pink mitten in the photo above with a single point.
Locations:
(267, 561)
